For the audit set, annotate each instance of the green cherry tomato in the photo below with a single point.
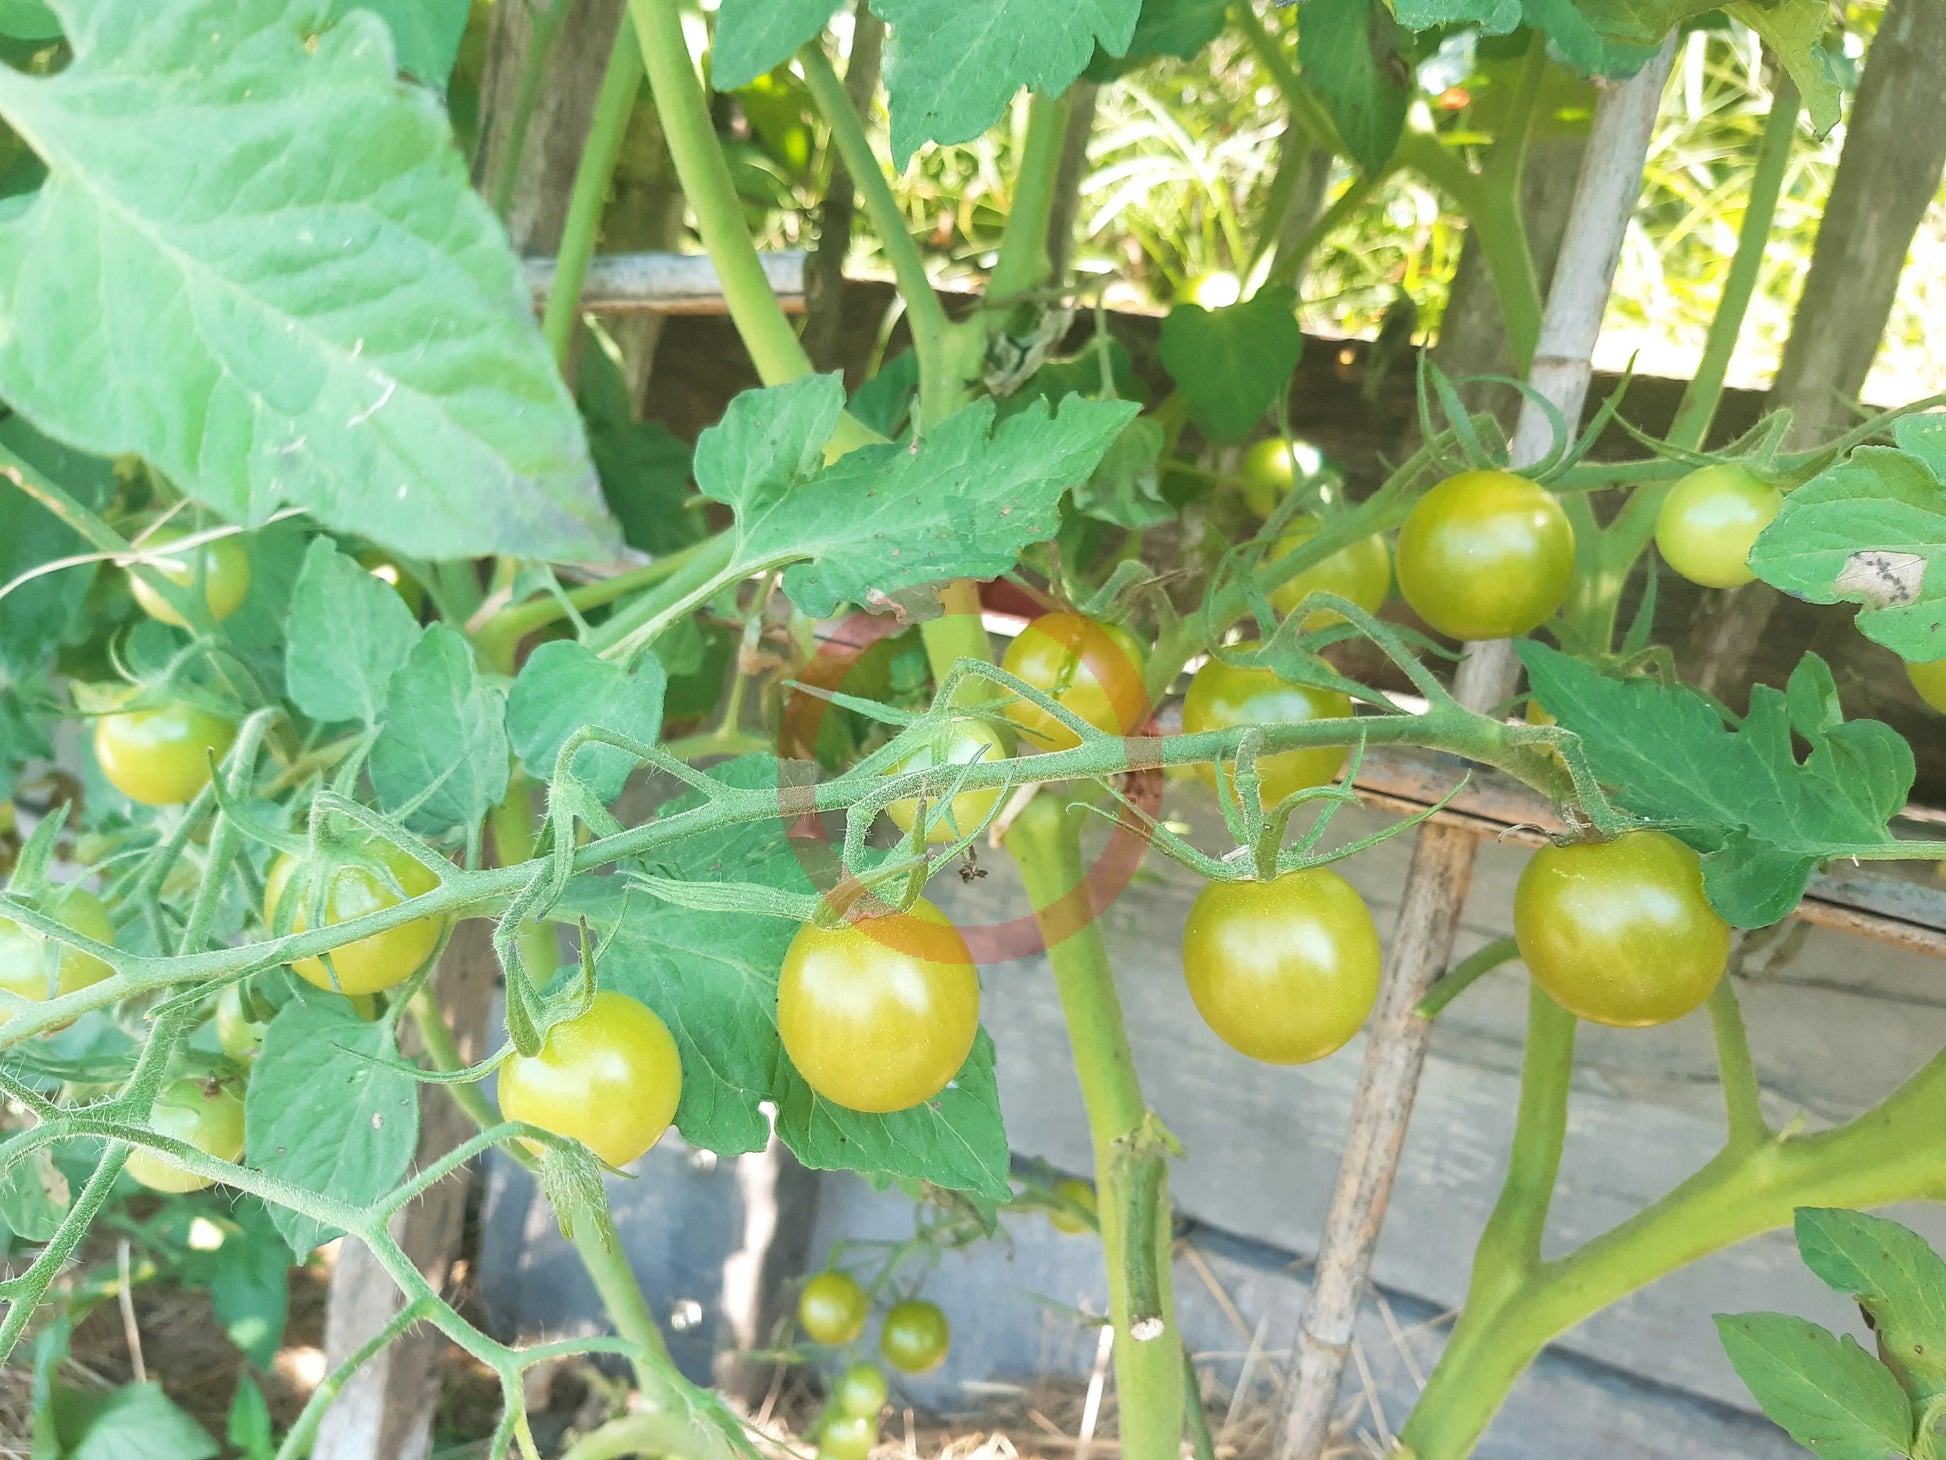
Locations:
(1283, 971)
(1360, 571)
(610, 1078)
(833, 1308)
(962, 742)
(1930, 680)
(1083, 1196)
(1225, 695)
(915, 1336)
(402, 583)
(201, 1113)
(861, 1393)
(1620, 932)
(222, 564)
(37, 967)
(1486, 555)
(1218, 289)
(161, 757)
(357, 887)
(880, 1013)
(848, 1436)
(1090, 669)
(1710, 520)
(242, 1038)
(1271, 467)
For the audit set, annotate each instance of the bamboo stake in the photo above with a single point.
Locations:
(1442, 862)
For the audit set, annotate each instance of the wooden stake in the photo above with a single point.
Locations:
(1442, 862)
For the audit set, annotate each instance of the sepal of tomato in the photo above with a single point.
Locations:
(611, 1078)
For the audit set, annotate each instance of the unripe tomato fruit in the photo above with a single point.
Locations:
(833, 1308)
(222, 564)
(37, 967)
(1620, 932)
(880, 1013)
(1225, 695)
(355, 889)
(161, 757)
(861, 1393)
(1486, 555)
(1710, 520)
(1090, 669)
(610, 1078)
(1218, 289)
(1360, 571)
(1271, 467)
(409, 589)
(963, 742)
(848, 1436)
(1284, 971)
(915, 1336)
(1930, 681)
(241, 1037)
(1083, 1196)
(201, 1113)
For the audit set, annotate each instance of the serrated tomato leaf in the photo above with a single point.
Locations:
(1826, 1392)
(564, 686)
(752, 36)
(1899, 1281)
(1762, 818)
(1871, 530)
(442, 740)
(347, 635)
(1230, 363)
(283, 233)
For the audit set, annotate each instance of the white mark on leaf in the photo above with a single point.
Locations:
(1879, 578)
(378, 1121)
(373, 409)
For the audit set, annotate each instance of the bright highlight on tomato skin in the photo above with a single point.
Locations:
(1709, 522)
(1620, 932)
(610, 1078)
(1486, 555)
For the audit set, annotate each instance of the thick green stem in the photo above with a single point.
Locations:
(641, 621)
(620, 85)
(495, 639)
(1023, 264)
(1044, 841)
(621, 1295)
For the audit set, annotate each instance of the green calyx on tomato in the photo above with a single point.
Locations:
(1092, 670)
(861, 1392)
(36, 967)
(1284, 971)
(1711, 519)
(1930, 680)
(833, 1308)
(161, 756)
(1620, 932)
(377, 876)
(1222, 696)
(915, 1336)
(1486, 555)
(963, 742)
(1080, 1194)
(879, 1013)
(610, 1078)
(221, 564)
(200, 1113)
(1360, 571)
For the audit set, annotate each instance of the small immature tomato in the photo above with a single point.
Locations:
(1360, 571)
(915, 1336)
(1486, 555)
(1284, 971)
(1930, 680)
(1709, 521)
(36, 967)
(355, 888)
(1092, 670)
(861, 1392)
(222, 564)
(880, 1013)
(1225, 695)
(848, 1436)
(1271, 467)
(833, 1308)
(1620, 932)
(1083, 1196)
(161, 757)
(962, 742)
(201, 1113)
(242, 1038)
(610, 1078)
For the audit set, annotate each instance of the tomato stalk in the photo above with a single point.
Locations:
(1023, 264)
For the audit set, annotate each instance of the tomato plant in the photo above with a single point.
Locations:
(610, 1078)
(915, 1336)
(1486, 555)
(833, 1308)
(962, 743)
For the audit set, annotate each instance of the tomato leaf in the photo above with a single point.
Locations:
(952, 68)
(1899, 1281)
(1179, 28)
(134, 1422)
(28, 20)
(752, 36)
(443, 732)
(1762, 818)
(1793, 30)
(961, 501)
(327, 1110)
(1349, 51)
(34, 1196)
(564, 686)
(1871, 530)
(248, 1281)
(38, 615)
(1826, 1392)
(1230, 363)
(284, 235)
(348, 633)
(425, 33)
